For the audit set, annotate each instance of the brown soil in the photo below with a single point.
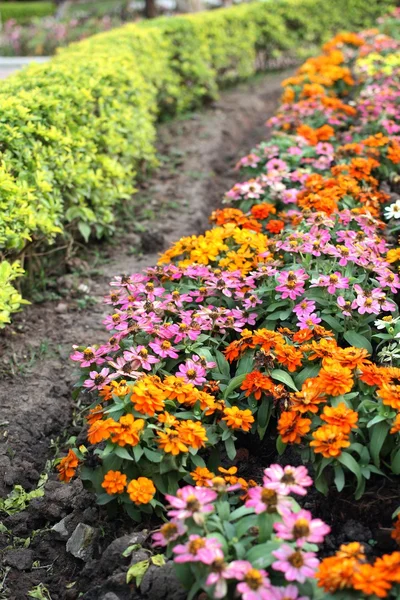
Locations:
(36, 408)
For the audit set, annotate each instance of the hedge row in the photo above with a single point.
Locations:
(74, 131)
(24, 11)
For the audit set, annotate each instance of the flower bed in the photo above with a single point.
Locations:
(70, 158)
(281, 319)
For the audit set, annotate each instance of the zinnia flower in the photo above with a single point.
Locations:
(114, 482)
(287, 480)
(67, 466)
(295, 564)
(141, 490)
(301, 528)
(191, 502)
(198, 549)
(329, 441)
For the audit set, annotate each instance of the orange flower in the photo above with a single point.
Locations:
(177, 389)
(67, 466)
(352, 550)
(288, 356)
(141, 490)
(292, 428)
(372, 374)
(114, 482)
(148, 395)
(389, 566)
(308, 398)
(238, 419)
(233, 350)
(303, 335)
(95, 414)
(396, 424)
(342, 417)
(127, 431)
(390, 395)
(393, 153)
(370, 580)
(192, 434)
(202, 476)
(336, 573)
(209, 403)
(267, 339)
(256, 383)
(320, 349)
(329, 441)
(167, 419)
(396, 531)
(275, 226)
(101, 430)
(351, 357)
(335, 379)
(262, 211)
(170, 442)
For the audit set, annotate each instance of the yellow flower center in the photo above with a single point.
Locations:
(195, 545)
(296, 559)
(253, 578)
(301, 528)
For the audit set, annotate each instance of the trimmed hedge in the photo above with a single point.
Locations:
(24, 11)
(74, 130)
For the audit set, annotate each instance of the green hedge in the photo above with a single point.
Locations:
(24, 11)
(74, 130)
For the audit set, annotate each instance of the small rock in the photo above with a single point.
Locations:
(152, 241)
(81, 542)
(61, 530)
(110, 596)
(138, 556)
(61, 307)
(21, 559)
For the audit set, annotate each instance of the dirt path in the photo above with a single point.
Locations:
(198, 156)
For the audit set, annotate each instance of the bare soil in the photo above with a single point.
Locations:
(37, 413)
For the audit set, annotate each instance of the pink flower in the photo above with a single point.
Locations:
(191, 502)
(291, 283)
(140, 356)
(88, 356)
(301, 527)
(192, 372)
(307, 321)
(198, 549)
(264, 499)
(290, 592)
(367, 301)
(345, 306)
(304, 308)
(163, 348)
(295, 564)
(332, 282)
(97, 380)
(255, 584)
(287, 480)
(168, 533)
(220, 572)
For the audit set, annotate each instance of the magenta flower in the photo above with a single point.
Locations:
(308, 321)
(332, 282)
(198, 549)
(290, 592)
(220, 572)
(301, 527)
(291, 283)
(97, 380)
(191, 502)
(264, 499)
(303, 308)
(255, 584)
(345, 306)
(295, 564)
(140, 356)
(168, 533)
(192, 372)
(163, 348)
(88, 356)
(287, 480)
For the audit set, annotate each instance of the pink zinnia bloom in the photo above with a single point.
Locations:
(290, 592)
(163, 348)
(192, 372)
(332, 282)
(367, 301)
(291, 283)
(88, 356)
(255, 584)
(305, 307)
(264, 498)
(97, 380)
(307, 321)
(198, 549)
(191, 502)
(220, 572)
(295, 564)
(168, 533)
(301, 527)
(140, 356)
(287, 480)
(345, 306)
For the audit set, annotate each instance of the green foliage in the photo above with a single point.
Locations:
(23, 11)
(74, 131)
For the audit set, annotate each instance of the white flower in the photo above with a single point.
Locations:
(393, 211)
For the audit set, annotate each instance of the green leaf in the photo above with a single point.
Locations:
(84, 230)
(261, 555)
(339, 478)
(280, 445)
(158, 560)
(123, 453)
(352, 465)
(263, 416)
(332, 322)
(357, 340)
(105, 498)
(283, 377)
(233, 384)
(222, 363)
(379, 434)
(137, 571)
(152, 456)
(306, 373)
(396, 463)
(230, 448)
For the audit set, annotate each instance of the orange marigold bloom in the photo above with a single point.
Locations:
(292, 427)
(141, 490)
(209, 403)
(320, 349)
(127, 431)
(336, 573)
(396, 531)
(390, 395)
(167, 419)
(114, 482)
(393, 153)
(308, 399)
(95, 414)
(101, 430)
(275, 226)
(67, 466)
(393, 255)
(256, 383)
(169, 441)
(233, 350)
(335, 379)
(329, 441)
(372, 374)
(341, 417)
(202, 476)
(303, 335)
(389, 566)
(192, 434)
(396, 424)
(370, 580)
(352, 550)
(263, 210)
(289, 356)
(238, 419)
(267, 339)
(148, 395)
(351, 357)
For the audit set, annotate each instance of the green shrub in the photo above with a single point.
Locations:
(24, 11)
(74, 130)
